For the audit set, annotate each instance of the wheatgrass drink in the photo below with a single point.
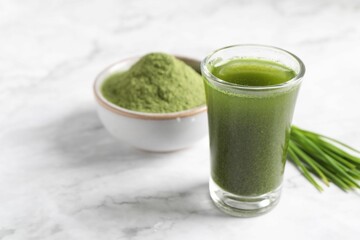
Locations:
(251, 92)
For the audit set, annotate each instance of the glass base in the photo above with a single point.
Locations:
(243, 206)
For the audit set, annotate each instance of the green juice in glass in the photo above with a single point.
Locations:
(249, 117)
(256, 129)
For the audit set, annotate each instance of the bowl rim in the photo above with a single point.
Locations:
(103, 102)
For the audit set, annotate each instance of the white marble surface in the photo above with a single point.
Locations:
(63, 177)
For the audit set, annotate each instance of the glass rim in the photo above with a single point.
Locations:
(296, 79)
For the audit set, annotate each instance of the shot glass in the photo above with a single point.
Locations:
(249, 129)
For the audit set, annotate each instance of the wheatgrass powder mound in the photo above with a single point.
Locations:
(157, 83)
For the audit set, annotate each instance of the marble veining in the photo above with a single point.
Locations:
(62, 176)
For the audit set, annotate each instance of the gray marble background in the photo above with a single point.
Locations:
(62, 176)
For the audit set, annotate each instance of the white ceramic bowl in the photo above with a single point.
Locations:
(159, 132)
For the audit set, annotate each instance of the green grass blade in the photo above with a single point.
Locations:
(309, 161)
(325, 157)
(303, 169)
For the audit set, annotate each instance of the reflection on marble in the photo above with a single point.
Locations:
(62, 176)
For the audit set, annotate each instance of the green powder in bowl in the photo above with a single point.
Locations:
(157, 83)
